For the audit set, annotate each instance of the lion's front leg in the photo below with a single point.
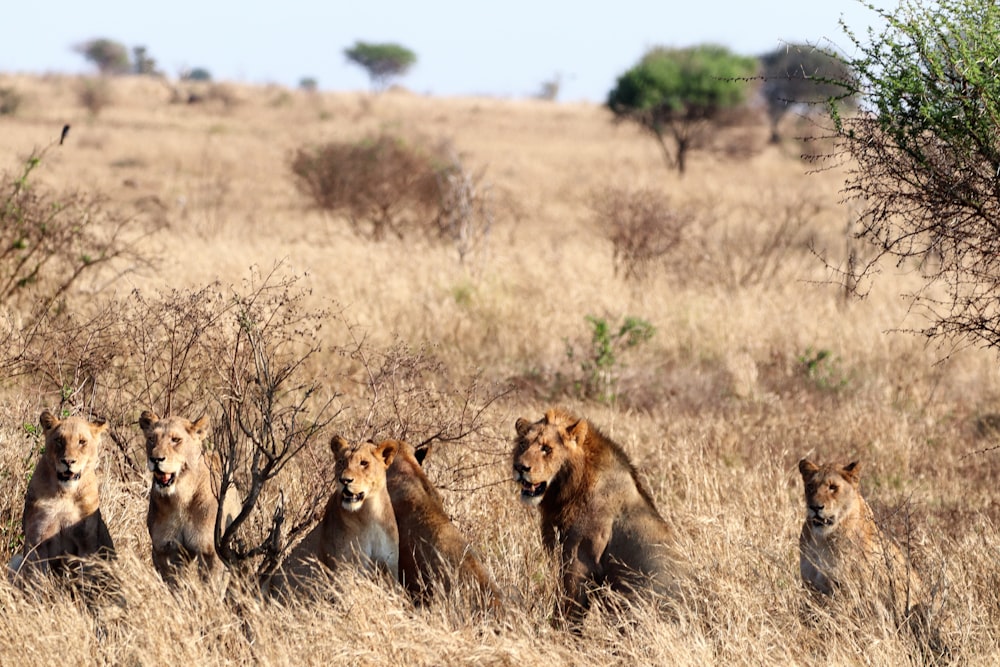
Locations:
(580, 570)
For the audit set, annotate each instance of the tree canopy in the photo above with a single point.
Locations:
(674, 93)
(925, 156)
(798, 74)
(109, 56)
(383, 62)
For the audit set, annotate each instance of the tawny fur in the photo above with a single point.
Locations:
(183, 502)
(361, 533)
(62, 514)
(840, 544)
(596, 518)
(432, 551)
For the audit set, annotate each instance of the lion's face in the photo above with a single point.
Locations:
(173, 447)
(831, 494)
(71, 445)
(540, 451)
(360, 469)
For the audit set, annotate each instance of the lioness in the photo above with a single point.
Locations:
(182, 504)
(840, 543)
(359, 524)
(431, 549)
(62, 516)
(595, 515)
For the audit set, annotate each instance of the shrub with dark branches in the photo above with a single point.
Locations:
(925, 155)
(642, 226)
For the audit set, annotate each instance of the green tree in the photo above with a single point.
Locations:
(381, 61)
(677, 94)
(925, 150)
(142, 63)
(111, 57)
(797, 75)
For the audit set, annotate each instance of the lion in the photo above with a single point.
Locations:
(840, 544)
(432, 551)
(62, 516)
(182, 503)
(358, 524)
(596, 516)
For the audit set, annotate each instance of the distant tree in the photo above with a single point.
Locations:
(925, 155)
(677, 94)
(197, 74)
(141, 62)
(308, 84)
(111, 57)
(381, 61)
(798, 74)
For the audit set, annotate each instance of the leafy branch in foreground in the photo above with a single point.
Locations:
(925, 154)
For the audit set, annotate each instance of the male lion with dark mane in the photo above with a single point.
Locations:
(62, 515)
(596, 517)
(432, 551)
(182, 503)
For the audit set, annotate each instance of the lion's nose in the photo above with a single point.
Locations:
(815, 508)
(346, 480)
(69, 462)
(520, 467)
(157, 460)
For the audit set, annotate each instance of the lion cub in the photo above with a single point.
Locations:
(182, 502)
(62, 516)
(596, 517)
(359, 525)
(840, 543)
(432, 551)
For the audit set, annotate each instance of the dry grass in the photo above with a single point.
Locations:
(716, 409)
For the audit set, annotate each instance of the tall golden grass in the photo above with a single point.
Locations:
(738, 383)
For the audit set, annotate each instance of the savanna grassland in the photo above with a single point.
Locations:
(757, 360)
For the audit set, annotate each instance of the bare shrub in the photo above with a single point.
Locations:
(767, 236)
(94, 94)
(382, 185)
(468, 209)
(642, 226)
(10, 101)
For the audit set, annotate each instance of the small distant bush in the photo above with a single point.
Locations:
(386, 187)
(109, 56)
(10, 101)
(308, 84)
(94, 95)
(600, 360)
(642, 226)
(197, 74)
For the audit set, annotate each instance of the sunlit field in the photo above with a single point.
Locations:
(757, 359)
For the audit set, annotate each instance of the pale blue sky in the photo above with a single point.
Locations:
(465, 47)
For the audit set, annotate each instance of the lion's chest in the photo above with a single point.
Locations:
(52, 516)
(178, 524)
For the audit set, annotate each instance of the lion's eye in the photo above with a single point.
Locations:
(364, 464)
(176, 440)
(546, 450)
(83, 442)
(833, 488)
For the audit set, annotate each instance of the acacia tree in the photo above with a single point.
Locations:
(676, 94)
(795, 75)
(382, 61)
(925, 149)
(109, 56)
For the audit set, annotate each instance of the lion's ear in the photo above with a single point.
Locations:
(147, 419)
(578, 433)
(387, 451)
(98, 426)
(807, 468)
(522, 426)
(48, 421)
(852, 472)
(199, 428)
(338, 445)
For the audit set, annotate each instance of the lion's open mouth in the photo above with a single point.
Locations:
(352, 500)
(164, 479)
(820, 521)
(530, 491)
(68, 476)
